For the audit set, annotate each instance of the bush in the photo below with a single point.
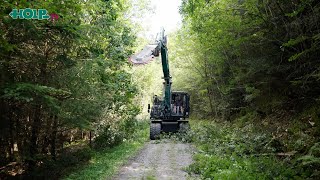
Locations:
(128, 127)
(109, 137)
(67, 160)
(230, 152)
(112, 135)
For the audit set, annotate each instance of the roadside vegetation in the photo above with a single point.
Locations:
(66, 93)
(237, 150)
(252, 69)
(80, 161)
(104, 163)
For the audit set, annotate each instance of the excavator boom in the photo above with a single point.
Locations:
(169, 114)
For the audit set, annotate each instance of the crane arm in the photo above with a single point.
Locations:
(166, 73)
(146, 55)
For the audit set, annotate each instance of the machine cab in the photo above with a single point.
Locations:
(179, 106)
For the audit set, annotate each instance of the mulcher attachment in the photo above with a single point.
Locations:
(145, 55)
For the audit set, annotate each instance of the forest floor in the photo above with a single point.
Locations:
(161, 159)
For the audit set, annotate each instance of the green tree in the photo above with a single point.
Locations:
(62, 78)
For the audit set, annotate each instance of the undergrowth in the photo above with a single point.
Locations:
(249, 151)
(79, 161)
(104, 162)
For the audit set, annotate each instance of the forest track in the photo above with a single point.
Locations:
(163, 159)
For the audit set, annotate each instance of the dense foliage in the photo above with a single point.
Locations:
(254, 55)
(64, 80)
(255, 64)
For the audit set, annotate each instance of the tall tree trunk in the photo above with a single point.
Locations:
(210, 100)
(34, 137)
(206, 74)
(3, 131)
(19, 136)
(11, 139)
(54, 137)
(90, 138)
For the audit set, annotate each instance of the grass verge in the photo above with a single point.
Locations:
(103, 164)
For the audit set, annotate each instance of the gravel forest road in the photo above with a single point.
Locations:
(159, 160)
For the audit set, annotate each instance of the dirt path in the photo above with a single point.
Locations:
(159, 160)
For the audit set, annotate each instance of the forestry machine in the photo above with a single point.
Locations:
(169, 113)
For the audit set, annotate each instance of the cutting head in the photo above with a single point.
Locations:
(145, 55)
